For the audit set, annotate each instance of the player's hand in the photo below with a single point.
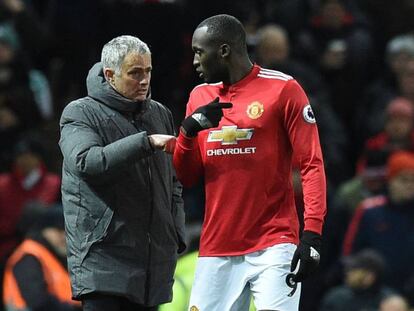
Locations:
(163, 142)
(307, 255)
(204, 117)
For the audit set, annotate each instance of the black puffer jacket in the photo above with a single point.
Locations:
(123, 208)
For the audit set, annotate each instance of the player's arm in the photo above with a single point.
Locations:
(187, 160)
(300, 124)
(187, 157)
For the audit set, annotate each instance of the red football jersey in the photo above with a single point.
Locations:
(246, 163)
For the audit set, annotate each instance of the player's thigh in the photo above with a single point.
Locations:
(219, 284)
(268, 287)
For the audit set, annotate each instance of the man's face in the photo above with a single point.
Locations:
(359, 278)
(6, 53)
(206, 57)
(56, 237)
(401, 187)
(406, 80)
(399, 127)
(273, 49)
(26, 162)
(134, 79)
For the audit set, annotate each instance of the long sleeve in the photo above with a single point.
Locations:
(187, 159)
(84, 151)
(303, 135)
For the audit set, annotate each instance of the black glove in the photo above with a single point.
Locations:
(204, 117)
(308, 252)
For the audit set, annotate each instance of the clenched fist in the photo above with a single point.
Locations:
(162, 142)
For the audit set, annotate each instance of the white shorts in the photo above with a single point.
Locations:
(227, 283)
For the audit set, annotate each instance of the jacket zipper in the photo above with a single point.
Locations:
(148, 268)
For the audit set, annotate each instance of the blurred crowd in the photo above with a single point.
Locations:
(354, 58)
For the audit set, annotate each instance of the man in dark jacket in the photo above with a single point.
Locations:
(122, 203)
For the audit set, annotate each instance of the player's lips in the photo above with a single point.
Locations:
(200, 73)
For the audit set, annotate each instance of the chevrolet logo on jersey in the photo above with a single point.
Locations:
(229, 135)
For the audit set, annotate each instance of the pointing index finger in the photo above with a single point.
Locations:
(226, 105)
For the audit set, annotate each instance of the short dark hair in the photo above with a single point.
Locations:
(368, 259)
(225, 28)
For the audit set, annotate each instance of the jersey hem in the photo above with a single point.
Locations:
(249, 251)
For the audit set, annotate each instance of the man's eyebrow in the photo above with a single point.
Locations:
(140, 67)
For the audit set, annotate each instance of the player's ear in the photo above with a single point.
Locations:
(224, 50)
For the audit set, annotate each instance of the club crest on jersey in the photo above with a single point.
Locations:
(229, 135)
(255, 110)
(308, 114)
(194, 308)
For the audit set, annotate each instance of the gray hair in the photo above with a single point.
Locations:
(400, 44)
(114, 52)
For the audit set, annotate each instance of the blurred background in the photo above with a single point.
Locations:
(354, 58)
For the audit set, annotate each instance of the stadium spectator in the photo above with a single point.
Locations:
(363, 287)
(28, 181)
(18, 108)
(29, 33)
(273, 51)
(384, 223)
(371, 114)
(369, 181)
(398, 132)
(388, 18)
(36, 277)
(339, 42)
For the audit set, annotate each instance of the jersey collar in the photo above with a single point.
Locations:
(241, 83)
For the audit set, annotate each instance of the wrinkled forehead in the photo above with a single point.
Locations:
(139, 60)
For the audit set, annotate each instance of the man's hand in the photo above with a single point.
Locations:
(163, 142)
(204, 117)
(308, 252)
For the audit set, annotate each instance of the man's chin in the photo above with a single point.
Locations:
(207, 80)
(140, 98)
(210, 79)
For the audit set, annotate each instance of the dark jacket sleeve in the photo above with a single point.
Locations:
(357, 232)
(29, 276)
(178, 202)
(83, 148)
(179, 217)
